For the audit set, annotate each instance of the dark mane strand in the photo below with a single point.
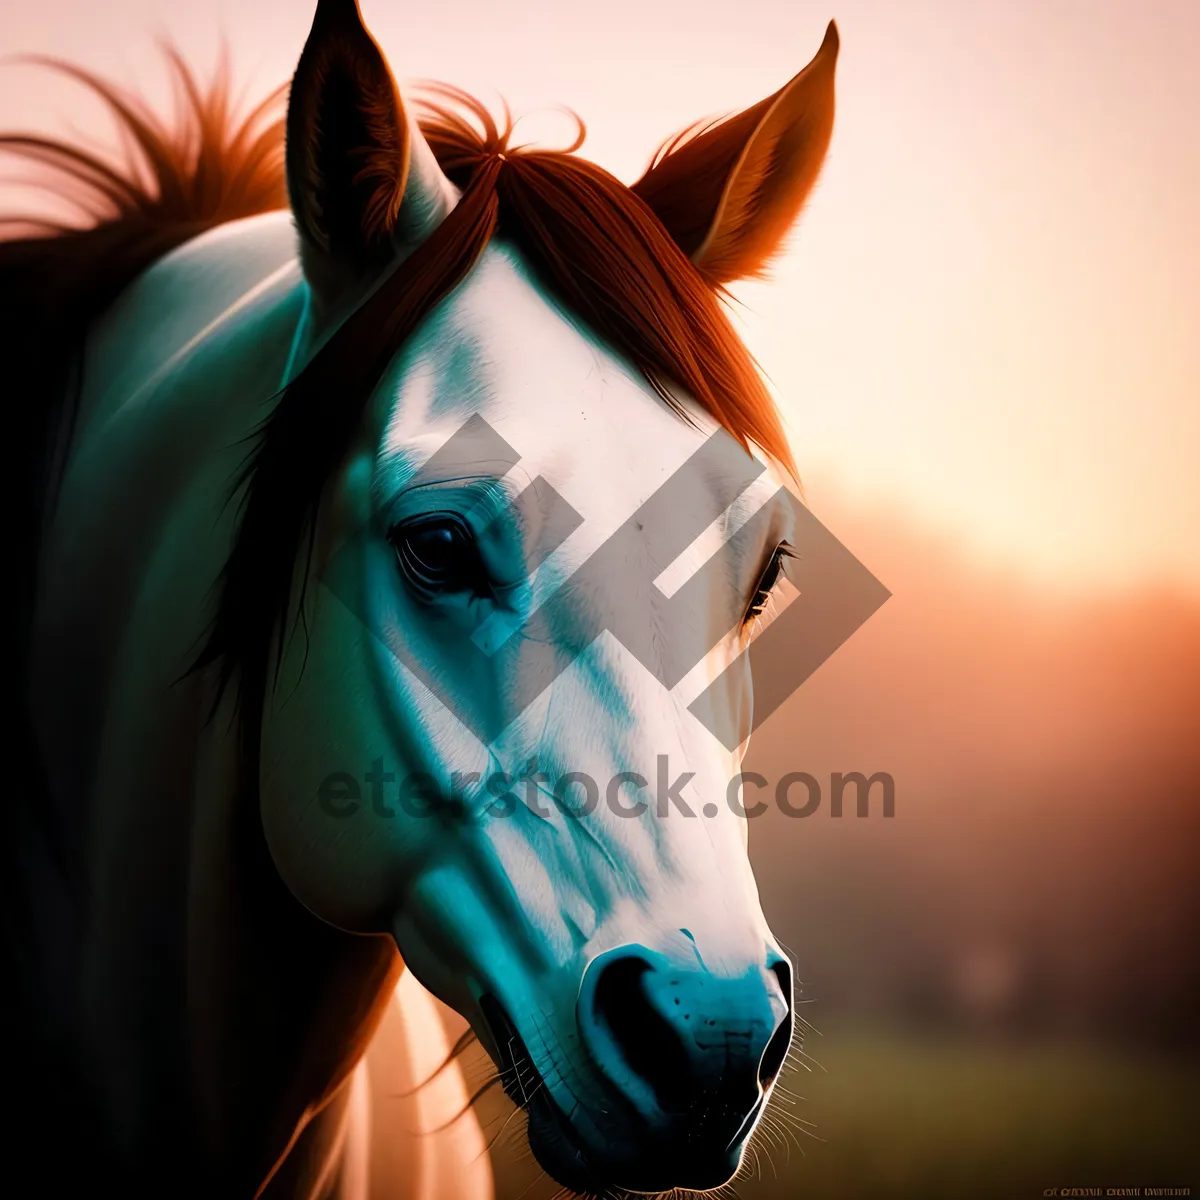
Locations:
(306, 436)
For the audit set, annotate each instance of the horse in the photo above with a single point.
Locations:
(323, 411)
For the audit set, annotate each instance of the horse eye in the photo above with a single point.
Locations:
(767, 580)
(438, 554)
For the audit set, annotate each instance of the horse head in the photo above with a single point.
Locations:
(548, 526)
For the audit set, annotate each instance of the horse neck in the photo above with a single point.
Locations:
(213, 1009)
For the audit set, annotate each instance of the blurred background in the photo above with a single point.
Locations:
(984, 341)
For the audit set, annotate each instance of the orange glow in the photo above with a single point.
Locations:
(988, 312)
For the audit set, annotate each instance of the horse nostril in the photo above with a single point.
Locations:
(703, 1045)
(776, 1052)
(650, 1046)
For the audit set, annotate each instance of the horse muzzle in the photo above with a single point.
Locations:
(684, 1058)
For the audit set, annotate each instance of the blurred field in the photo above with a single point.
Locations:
(897, 1115)
(1006, 971)
(1039, 876)
(906, 1116)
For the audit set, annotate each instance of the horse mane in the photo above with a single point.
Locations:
(176, 180)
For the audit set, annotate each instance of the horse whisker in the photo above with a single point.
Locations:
(459, 1046)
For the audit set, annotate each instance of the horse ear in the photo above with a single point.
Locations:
(363, 184)
(730, 193)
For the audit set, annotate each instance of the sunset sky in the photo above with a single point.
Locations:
(989, 317)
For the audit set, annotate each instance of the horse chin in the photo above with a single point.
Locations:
(631, 1174)
(550, 1135)
(557, 1155)
(555, 1150)
(629, 1170)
